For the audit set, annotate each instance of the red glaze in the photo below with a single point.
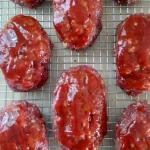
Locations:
(77, 22)
(133, 54)
(24, 53)
(133, 131)
(79, 109)
(28, 3)
(22, 127)
(125, 2)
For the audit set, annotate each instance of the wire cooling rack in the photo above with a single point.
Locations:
(100, 56)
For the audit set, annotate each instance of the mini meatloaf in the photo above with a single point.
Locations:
(24, 53)
(77, 22)
(28, 3)
(125, 2)
(133, 130)
(22, 127)
(133, 54)
(79, 109)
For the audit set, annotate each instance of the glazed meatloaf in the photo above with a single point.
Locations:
(22, 127)
(125, 2)
(24, 53)
(133, 130)
(133, 54)
(79, 109)
(77, 22)
(28, 3)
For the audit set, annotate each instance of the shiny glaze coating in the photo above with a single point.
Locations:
(28, 3)
(22, 127)
(77, 22)
(24, 53)
(79, 109)
(133, 54)
(133, 131)
(125, 2)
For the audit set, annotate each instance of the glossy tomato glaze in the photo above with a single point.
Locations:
(24, 53)
(77, 22)
(22, 127)
(79, 109)
(133, 54)
(28, 3)
(133, 131)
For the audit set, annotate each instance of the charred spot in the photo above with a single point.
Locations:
(89, 15)
(91, 119)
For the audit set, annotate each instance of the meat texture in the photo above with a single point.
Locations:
(133, 131)
(125, 2)
(79, 109)
(28, 3)
(133, 54)
(22, 127)
(78, 22)
(24, 53)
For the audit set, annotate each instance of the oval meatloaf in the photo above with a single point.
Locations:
(22, 127)
(77, 22)
(79, 109)
(125, 2)
(133, 130)
(133, 54)
(28, 3)
(24, 53)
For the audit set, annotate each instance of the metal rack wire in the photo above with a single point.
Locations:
(100, 56)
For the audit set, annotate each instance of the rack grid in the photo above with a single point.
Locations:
(101, 56)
